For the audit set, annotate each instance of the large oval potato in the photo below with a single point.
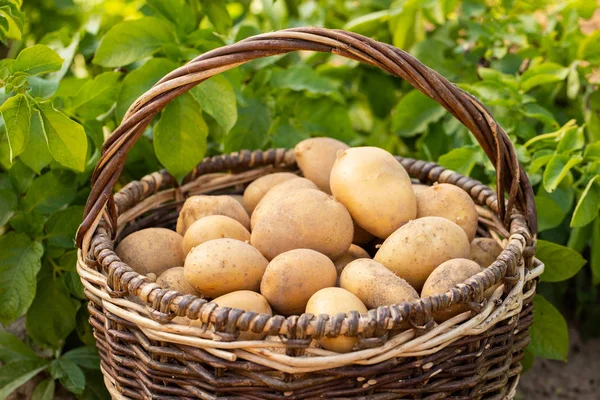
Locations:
(445, 277)
(173, 279)
(484, 251)
(354, 253)
(293, 277)
(375, 285)
(315, 157)
(375, 188)
(451, 202)
(332, 301)
(248, 301)
(213, 227)
(196, 207)
(305, 219)
(257, 189)
(417, 248)
(222, 266)
(151, 250)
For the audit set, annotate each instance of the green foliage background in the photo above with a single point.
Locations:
(71, 68)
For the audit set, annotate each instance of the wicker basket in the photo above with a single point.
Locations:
(146, 354)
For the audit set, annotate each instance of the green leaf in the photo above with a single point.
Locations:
(218, 15)
(51, 316)
(595, 252)
(324, 117)
(95, 389)
(571, 140)
(66, 138)
(588, 205)
(86, 356)
(217, 98)
(302, 78)
(62, 226)
(286, 135)
(20, 261)
(138, 81)
(16, 114)
(8, 205)
(41, 87)
(589, 48)
(558, 167)
(414, 112)
(528, 360)
(97, 96)
(541, 74)
(369, 24)
(534, 110)
(407, 27)
(15, 374)
(30, 223)
(177, 12)
(592, 152)
(561, 262)
(69, 375)
(180, 136)
(36, 154)
(51, 191)
(462, 160)
(549, 334)
(553, 207)
(37, 59)
(251, 129)
(12, 349)
(21, 176)
(44, 390)
(131, 41)
(573, 83)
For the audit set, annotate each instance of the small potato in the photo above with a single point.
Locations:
(417, 248)
(293, 277)
(361, 236)
(151, 250)
(173, 279)
(418, 188)
(315, 157)
(196, 207)
(305, 219)
(239, 198)
(257, 189)
(354, 253)
(484, 251)
(333, 301)
(375, 188)
(213, 227)
(445, 277)
(451, 202)
(375, 285)
(222, 266)
(248, 301)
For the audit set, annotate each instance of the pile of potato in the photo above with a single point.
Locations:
(293, 244)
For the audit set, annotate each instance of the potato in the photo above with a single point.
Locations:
(248, 301)
(354, 253)
(305, 219)
(173, 279)
(375, 188)
(222, 266)
(213, 227)
(239, 198)
(257, 189)
(333, 301)
(451, 202)
(281, 190)
(445, 277)
(361, 236)
(293, 277)
(315, 157)
(484, 251)
(151, 250)
(414, 250)
(375, 285)
(418, 188)
(196, 207)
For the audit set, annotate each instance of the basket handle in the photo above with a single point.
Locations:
(510, 175)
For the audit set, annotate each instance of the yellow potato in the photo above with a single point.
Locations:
(418, 188)
(222, 266)
(151, 250)
(213, 227)
(375, 188)
(305, 219)
(239, 198)
(444, 278)
(484, 251)
(315, 157)
(354, 253)
(414, 250)
(451, 202)
(248, 301)
(375, 285)
(333, 301)
(292, 277)
(173, 279)
(257, 189)
(196, 207)
(361, 236)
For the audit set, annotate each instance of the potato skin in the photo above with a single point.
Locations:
(222, 266)
(293, 277)
(213, 227)
(257, 189)
(196, 207)
(151, 250)
(239, 198)
(173, 279)
(375, 285)
(248, 301)
(315, 157)
(484, 251)
(451, 202)
(305, 219)
(354, 253)
(445, 277)
(418, 188)
(333, 301)
(375, 188)
(417, 248)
